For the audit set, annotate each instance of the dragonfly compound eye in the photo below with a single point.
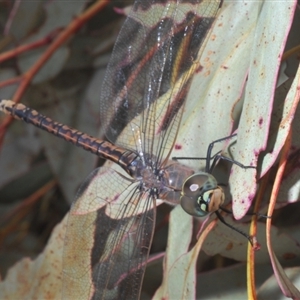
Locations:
(201, 195)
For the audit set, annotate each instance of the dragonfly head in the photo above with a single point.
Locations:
(201, 195)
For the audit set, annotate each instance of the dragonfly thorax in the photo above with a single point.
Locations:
(201, 195)
(172, 177)
(145, 170)
(150, 180)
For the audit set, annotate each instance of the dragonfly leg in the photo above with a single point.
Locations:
(220, 217)
(218, 156)
(210, 166)
(248, 214)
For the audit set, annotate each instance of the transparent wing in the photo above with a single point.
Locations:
(111, 223)
(149, 72)
(105, 258)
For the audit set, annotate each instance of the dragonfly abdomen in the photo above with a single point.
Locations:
(99, 147)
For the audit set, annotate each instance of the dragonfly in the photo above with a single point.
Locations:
(111, 222)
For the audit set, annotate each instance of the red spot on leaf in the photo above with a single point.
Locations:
(229, 246)
(256, 244)
(199, 69)
(288, 256)
(177, 147)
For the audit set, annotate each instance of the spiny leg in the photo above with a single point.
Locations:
(248, 213)
(220, 217)
(208, 166)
